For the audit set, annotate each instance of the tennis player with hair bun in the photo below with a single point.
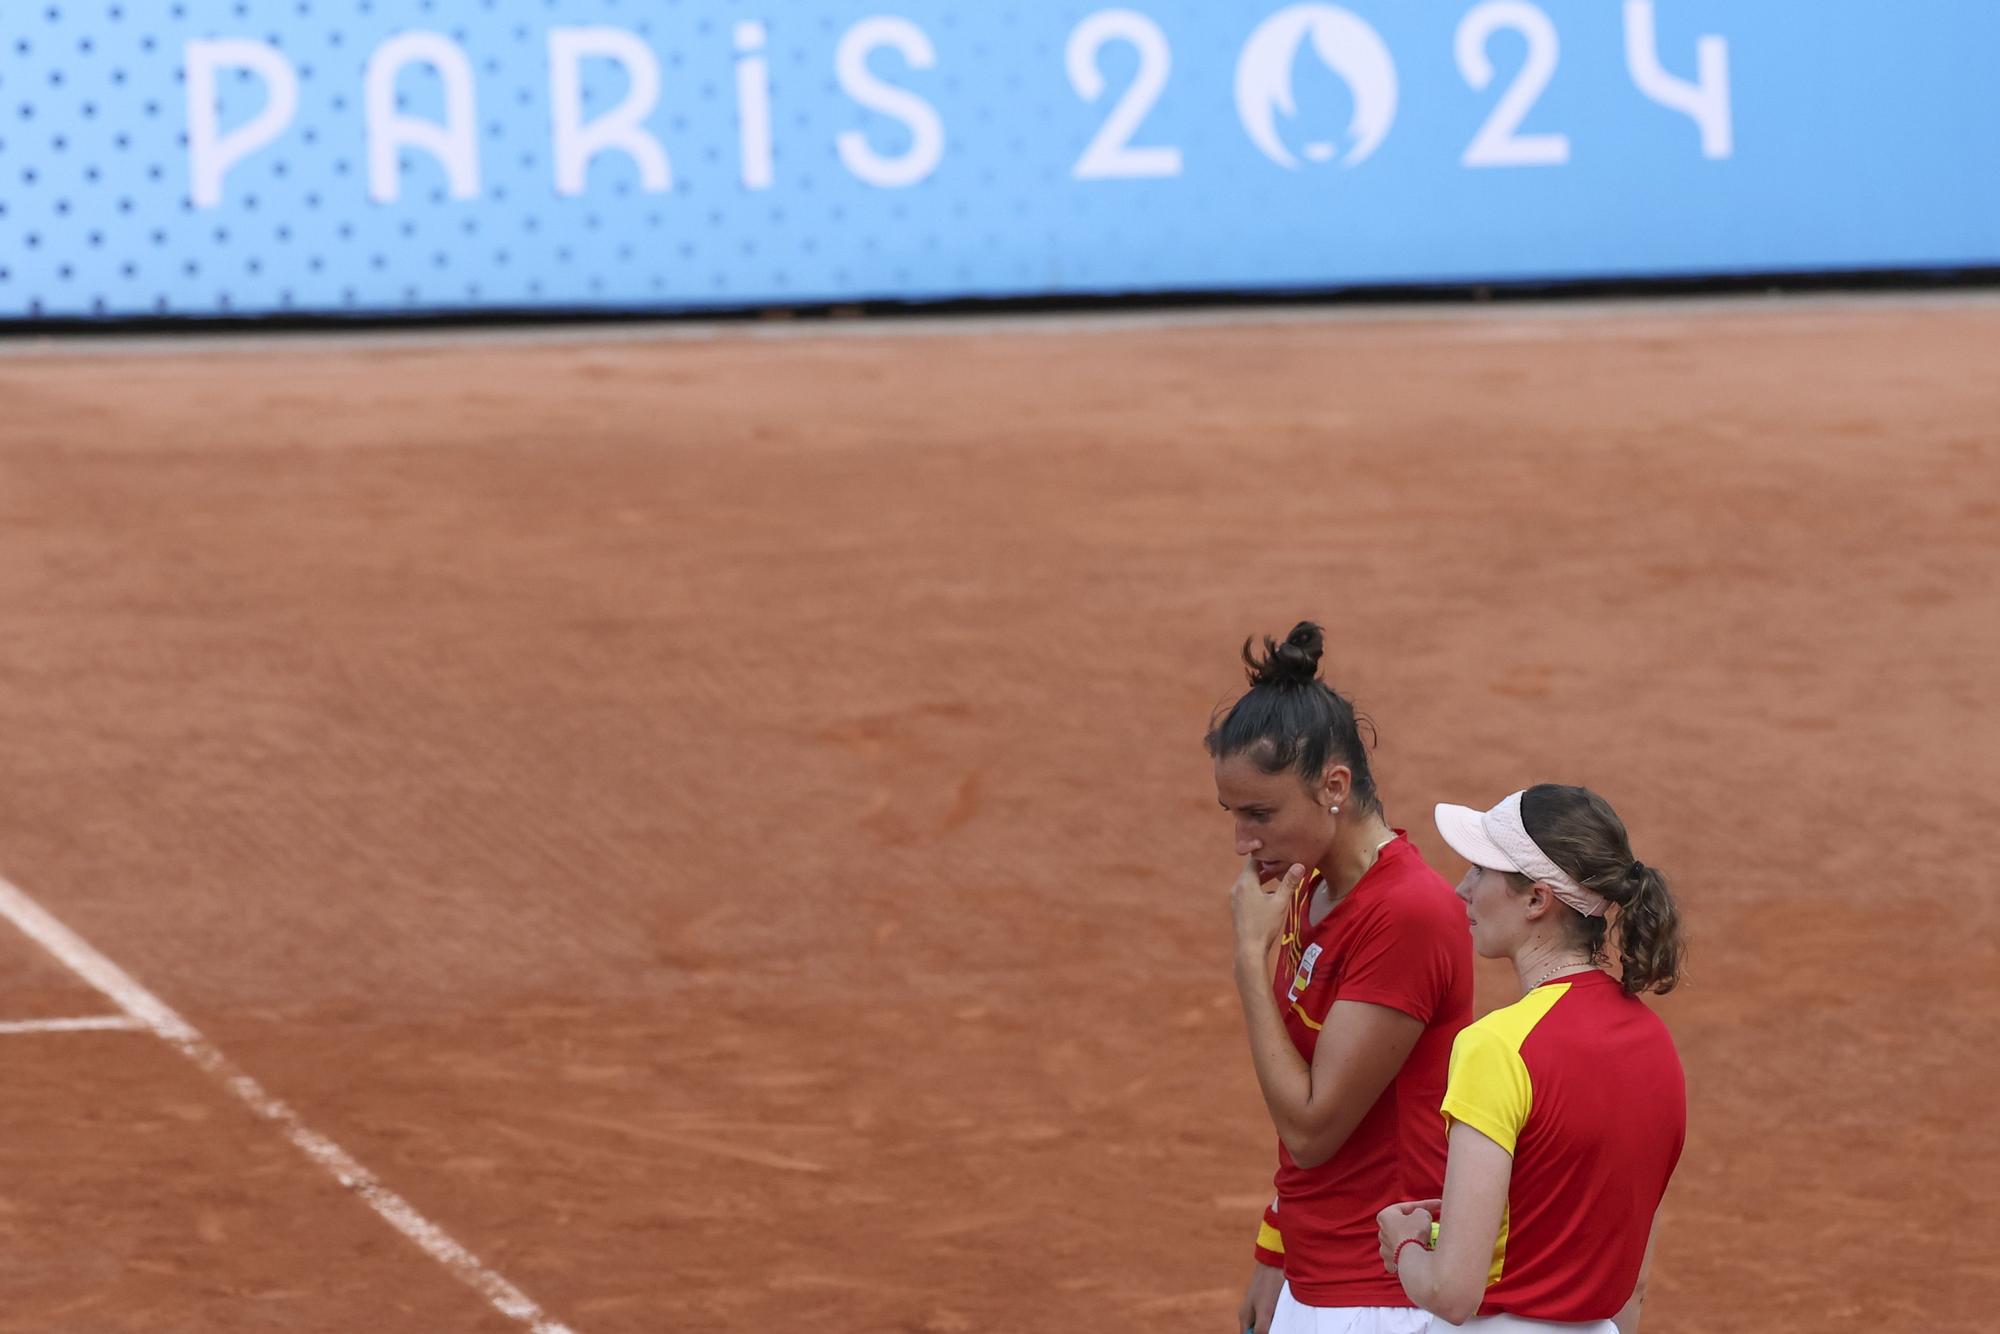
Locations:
(1567, 1109)
(1355, 974)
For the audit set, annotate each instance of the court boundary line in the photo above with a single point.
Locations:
(149, 1012)
(95, 1023)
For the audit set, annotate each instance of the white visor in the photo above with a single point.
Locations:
(1499, 840)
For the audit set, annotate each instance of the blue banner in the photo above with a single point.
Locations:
(215, 157)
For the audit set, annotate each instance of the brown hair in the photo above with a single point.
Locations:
(1582, 834)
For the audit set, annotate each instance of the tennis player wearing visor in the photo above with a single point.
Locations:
(1565, 1111)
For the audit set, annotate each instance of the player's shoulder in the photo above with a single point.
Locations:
(1409, 867)
(1510, 1025)
(1414, 892)
(1645, 1021)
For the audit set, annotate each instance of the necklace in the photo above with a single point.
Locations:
(1557, 968)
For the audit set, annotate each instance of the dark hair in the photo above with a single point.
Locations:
(1582, 834)
(1290, 719)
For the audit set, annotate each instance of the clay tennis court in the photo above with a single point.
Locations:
(716, 822)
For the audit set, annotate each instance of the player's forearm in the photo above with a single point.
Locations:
(1429, 1283)
(1313, 1114)
(1282, 1075)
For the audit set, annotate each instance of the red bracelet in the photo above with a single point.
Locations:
(1407, 1241)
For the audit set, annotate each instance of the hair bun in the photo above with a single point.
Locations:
(1292, 663)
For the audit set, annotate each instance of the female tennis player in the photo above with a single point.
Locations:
(1351, 1026)
(1567, 1109)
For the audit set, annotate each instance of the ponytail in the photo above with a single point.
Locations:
(1649, 933)
(1580, 832)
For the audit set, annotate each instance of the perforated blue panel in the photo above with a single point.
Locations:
(1268, 146)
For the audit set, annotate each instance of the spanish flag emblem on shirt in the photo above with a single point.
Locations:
(1304, 976)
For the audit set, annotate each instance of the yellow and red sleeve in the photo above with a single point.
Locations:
(1488, 1087)
(1270, 1241)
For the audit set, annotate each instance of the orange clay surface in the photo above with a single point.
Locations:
(720, 824)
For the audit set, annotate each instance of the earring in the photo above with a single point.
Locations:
(1333, 810)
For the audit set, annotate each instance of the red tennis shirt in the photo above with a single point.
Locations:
(1581, 1083)
(1399, 939)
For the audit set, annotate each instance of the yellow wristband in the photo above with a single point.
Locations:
(1434, 1236)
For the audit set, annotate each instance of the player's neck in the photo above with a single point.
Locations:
(1355, 848)
(1538, 961)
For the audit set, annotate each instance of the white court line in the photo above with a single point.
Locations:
(110, 1022)
(150, 1012)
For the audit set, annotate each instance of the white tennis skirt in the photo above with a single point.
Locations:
(1294, 1317)
(1513, 1324)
